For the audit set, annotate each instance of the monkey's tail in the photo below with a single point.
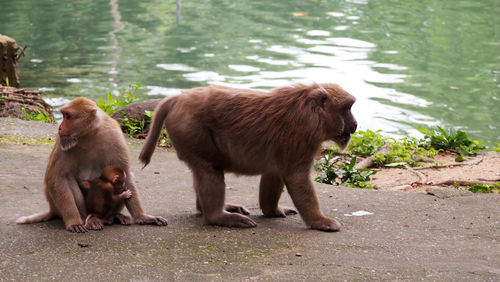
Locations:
(38, 217)
(159, 116)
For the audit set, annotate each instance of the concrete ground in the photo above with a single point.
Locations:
(448, 236)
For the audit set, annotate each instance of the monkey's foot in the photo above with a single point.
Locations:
(231, 220)
(236, 209)
(326, 224)
(149, 219)
(108, 221)
(280, 212)
(77, 228)
(92, 222)
(123, 219)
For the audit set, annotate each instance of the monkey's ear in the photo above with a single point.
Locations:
(84, 184)
(321, 96)
(115, 178)
(93, 112)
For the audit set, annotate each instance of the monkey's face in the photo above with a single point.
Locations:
(66, 132)
(78, 118)
(349, 126)
(340, 123)
(119, 187)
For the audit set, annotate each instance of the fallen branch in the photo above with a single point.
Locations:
(422, 177)
(18, 57)
(474, 162)
(13, 101)
(368, 162)
(466, 182)
(494, 180)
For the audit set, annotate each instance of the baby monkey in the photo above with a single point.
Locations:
(105, 197)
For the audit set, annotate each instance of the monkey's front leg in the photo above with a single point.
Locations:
(304, 197)
(134, 206)
(210, 190)
(270, 188)
(67, 198)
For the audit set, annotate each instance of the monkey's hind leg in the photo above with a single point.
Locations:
(210, 190)
(271, 187)
(236, 209)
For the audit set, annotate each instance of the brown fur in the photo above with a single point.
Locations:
(105, 196)
(218, 129)
(88, 141)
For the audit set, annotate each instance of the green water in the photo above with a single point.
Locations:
(409, 63)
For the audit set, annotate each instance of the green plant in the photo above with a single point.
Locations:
(484, 188)
(441, 140)
(326, 169)
(164, 140)
(409, 151)
(343, 175)
(36, 115)
(496, 149)
(115, 103)
(134, 127)
(352, 177)
(404, 152)
(148, 114)
(366, 143)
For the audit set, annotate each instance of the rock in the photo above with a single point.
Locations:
(136, 110)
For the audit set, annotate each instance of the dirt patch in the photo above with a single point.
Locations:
(485, 166)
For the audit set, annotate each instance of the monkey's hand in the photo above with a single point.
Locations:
(149, 219)
(125, 195)
(77, 228)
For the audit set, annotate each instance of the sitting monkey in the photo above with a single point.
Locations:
(105, 196)
(88, 140)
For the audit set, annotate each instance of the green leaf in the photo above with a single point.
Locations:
(444, 133)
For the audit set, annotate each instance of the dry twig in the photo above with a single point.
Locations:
(474, 162)
(422, 177)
